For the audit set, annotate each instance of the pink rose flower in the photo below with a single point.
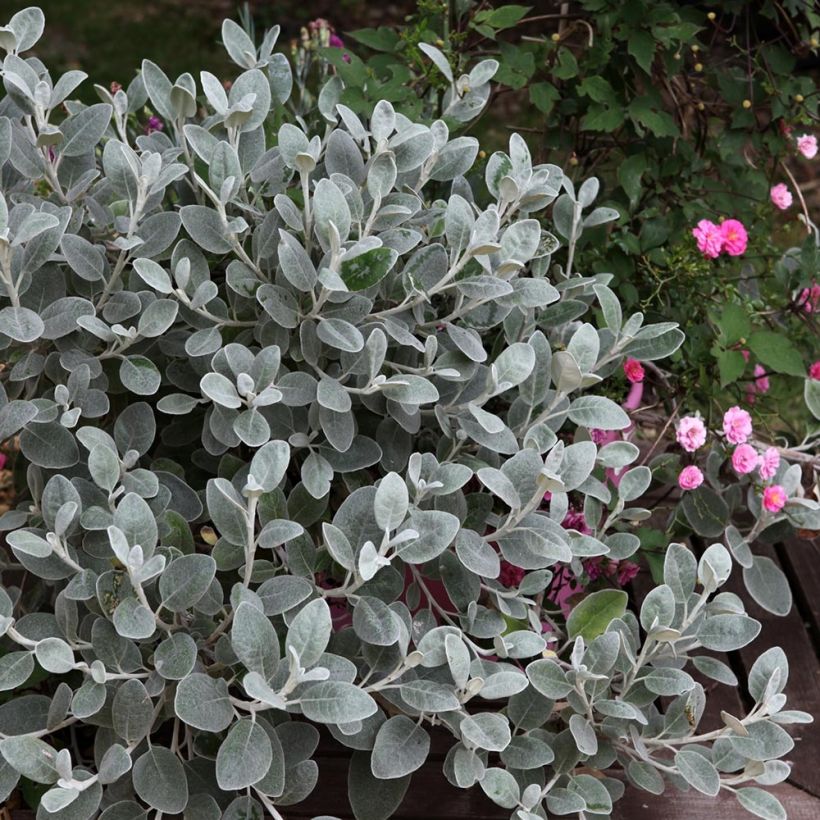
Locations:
(781, 196)
(814, 371)
(744, 459)
(769, 462)
(709, 238)
(774, 498)
(634, 371)
(691, 433)
(737, 424)
(807, 145)
(761, 379)
(690, 478)
(735, 238)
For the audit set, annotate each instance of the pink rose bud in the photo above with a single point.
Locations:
(634, 371)
(690, 478)
(691, 433)
(737, 424)
(735, 238)
(781, 196)
(814, 371)
(807, 145)
(709, 238)
(744, 459)
(774, 498)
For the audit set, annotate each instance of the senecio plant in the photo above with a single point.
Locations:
(284, 402)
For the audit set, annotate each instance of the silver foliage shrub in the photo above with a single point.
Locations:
(270, 386)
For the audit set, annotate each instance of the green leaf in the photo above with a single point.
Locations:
(698, 772)
(811, 394)
(731, 365)
(368, 268)
(379, 39)
(630, 172)
(337, 702)
(371, 798)
(593, 615)
(602, 118)
(160, 781)
(543, 96)
(760, 803)
(502, 17)
(185, 581)
(597, 89)
(401, 747)
(734, 324)
(244, 756)
(204, 703)
(643, 111)
(641, 45)
(705, 511)
(775, 351)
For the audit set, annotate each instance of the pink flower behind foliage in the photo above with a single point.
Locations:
(737, 424)
(511, 575)
(781, 196)
(735, 238)
(709, 238)
(634, 371)
(154, 124)
(690, 478)
(809, 298)
(620, 572)
(807, 145)
(574, 520)
(744, 459)
(761, 379)
(774, 498)
(691, 433)
(601, 437)
(769, 462)
(3, 460)
(627, 571)
(814, 371)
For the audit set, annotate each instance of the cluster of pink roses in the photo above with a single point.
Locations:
(737, 428)
(729, 237)
(780, 194)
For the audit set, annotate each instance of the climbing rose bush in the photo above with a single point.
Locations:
(308, 426)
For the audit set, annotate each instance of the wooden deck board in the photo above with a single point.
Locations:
(803, 688)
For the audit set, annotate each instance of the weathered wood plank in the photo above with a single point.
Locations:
(694, 806)
(437, 803)
(431, 796)
(801, 561)
(803, 688)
